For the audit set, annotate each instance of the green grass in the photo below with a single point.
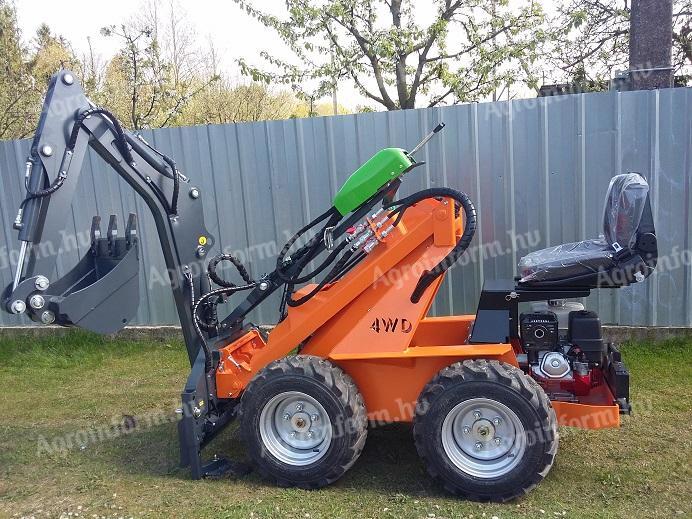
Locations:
(54, 388)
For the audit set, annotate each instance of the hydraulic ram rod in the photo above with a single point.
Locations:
(20, 264)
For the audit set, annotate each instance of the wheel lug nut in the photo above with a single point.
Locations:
(497, 441)
(314, 418)
(292, 434)
(467, 429)
(310, 434)
(479, 446)
(477, 415)
(496, 421)
(287, 416)
(299, 407)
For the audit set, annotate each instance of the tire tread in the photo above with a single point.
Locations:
(343, 388)
(506, 375)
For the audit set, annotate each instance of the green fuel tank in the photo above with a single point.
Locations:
(384, 166)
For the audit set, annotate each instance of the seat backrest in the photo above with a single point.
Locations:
(624, 205)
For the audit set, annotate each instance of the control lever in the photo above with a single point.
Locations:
(425, 140)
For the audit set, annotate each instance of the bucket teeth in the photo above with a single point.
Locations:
(113, 226)
(95, 228)
(131, 229)
(112, 232)
(110, 244)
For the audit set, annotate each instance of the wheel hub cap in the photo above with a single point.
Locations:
(300, 422)
(295, 428)
(483, 437)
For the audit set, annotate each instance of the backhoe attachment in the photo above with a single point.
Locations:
(101, 292)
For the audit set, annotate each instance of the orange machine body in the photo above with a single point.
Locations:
(366, 323)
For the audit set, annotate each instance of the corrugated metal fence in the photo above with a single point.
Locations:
(537, 170)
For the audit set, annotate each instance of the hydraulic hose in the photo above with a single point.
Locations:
(123, 141)
(71, 143)
(338, 267)
(348, 260)
(470, 225)
(307, 252)
(139, 145)
(227, 288)
(213, 275)
(196, 305)
(117, 128)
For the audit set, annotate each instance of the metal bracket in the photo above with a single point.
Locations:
(219, 467)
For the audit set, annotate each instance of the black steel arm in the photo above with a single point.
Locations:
(68, 126)
(101, 293)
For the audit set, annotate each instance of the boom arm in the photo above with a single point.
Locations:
(101, 292)
(53, 170)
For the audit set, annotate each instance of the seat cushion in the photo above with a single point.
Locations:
(567, 261)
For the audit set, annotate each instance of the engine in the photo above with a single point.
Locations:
(567, 363)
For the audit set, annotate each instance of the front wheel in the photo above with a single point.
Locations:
(303, 421)
(485, 430)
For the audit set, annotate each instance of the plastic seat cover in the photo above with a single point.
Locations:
(624, 205)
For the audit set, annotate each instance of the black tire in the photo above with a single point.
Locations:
(340, 399)
(497, 382)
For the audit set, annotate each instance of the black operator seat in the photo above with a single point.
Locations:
(626, 252)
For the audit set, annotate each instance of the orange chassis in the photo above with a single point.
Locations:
(367, 325)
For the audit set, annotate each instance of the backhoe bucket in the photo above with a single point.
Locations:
(101, 293)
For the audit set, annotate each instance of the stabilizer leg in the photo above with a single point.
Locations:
(200, 424)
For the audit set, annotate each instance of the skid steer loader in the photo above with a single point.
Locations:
(485, 393)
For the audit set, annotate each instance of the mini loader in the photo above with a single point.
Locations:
(354, 344)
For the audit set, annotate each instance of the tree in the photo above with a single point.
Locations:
(157, 72)
(26, 70)
(160, 76)
(682, 36)
(593, 38)
(224, 103)
(140, 83)
(470, 48)
(50, 53)
(91, 68)
(18, 108)
(177, 41)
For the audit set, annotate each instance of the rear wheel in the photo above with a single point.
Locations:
(485, 430)
(303, 421)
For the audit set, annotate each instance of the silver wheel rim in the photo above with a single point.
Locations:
(295, 428)
(483, 438)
